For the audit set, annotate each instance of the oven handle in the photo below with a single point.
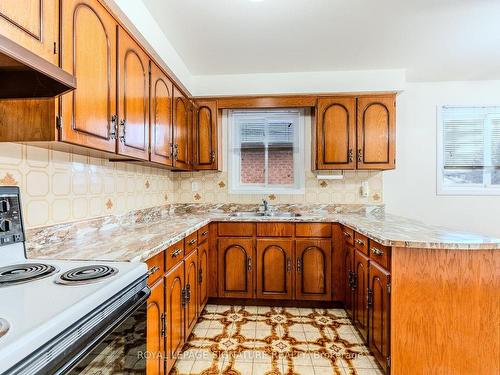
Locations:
(144, 295)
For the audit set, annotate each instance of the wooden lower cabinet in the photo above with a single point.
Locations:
(235, 266)
(155, 341)
(348, 281)
(360, 295)
(274, 269)
(313, 270)
(203, 276)
(174, 305)
(379, 314)
(191, 291)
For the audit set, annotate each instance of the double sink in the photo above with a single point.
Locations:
(256, 214)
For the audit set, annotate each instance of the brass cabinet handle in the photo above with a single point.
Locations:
(360, 155)
(350, 155)
(299, 265)
(123, 125)
(176, 253)
(347, 234)
(288, 265)
(192, 242)
(205, 233)
(200, 275)
(112, 129)
(153, 270)
(212, 156)
(249, 264)
(163, 324)
(359, 242)
(176, 152)
(377, 251)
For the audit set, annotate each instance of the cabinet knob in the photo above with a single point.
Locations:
(350, 155)
(299, 265)
(360, 155)
(112, 129)
(347, 234)
(123, 125)
(359, 242)
(249, 264)
(288, 264)
(192, 242)
(377, 251)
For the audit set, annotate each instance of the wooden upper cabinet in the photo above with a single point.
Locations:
(181, 131)
(89, 53)
(155, 341)
(313, 270)
(376, 132)
(32, 24)
(335, 136)
(360, 295)
(133, 90)
(205, 136)
(174, 305)
(161, 116)
(379, 317)
(274, 269)
(235, 267)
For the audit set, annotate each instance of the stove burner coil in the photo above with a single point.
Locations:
(86, 275)
(23, 273)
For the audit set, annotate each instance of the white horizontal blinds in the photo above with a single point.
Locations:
(252, 132)
(463, 137)
(495, 141)
(281, 133)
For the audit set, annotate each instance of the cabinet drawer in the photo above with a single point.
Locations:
(174, 254)
(157, 263)
(380, 254)
(203, 234)
(348, 235)
(236, 229)
(361, 243)
(275, 229)
(313, 230)
(190, 243)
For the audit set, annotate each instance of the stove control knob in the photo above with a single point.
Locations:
(5, 225)
(4, 205)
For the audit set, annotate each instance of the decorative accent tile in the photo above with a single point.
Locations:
(109, 204)
(8, 179)
(147, 184)
(235, 349)
(197, 197)
(323, 184)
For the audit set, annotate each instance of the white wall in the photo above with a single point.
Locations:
(410, 190)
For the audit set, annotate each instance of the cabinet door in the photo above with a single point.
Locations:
(376, 132)
(313, 270)
(32, 24)
(235, 267)
(274, 269)
(202, 276)
(205, 136)
(379, 314)
(155, 341)
(181, 130)
(161, 117)
(174, 303)
(348, 267)
(89, 53)
(361, 293)
(191, 290)
(133, 89)
(336, 133)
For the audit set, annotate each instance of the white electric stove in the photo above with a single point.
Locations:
(62, 317)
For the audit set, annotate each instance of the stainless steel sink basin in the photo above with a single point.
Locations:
(262, 214)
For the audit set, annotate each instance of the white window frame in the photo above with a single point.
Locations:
(234, 158)
(463, 189)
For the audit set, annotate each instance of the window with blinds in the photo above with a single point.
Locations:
(266, 151)
(469, 150)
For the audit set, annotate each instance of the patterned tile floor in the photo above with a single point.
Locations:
(250, 340)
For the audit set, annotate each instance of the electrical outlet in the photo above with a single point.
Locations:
(365, 189)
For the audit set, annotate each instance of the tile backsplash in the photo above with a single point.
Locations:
(60, 187)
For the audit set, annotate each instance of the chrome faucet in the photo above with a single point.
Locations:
(266, 206)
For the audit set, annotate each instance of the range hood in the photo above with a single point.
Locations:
(24, 74)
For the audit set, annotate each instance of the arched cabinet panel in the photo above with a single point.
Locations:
(181, 133)
(348, 269)
(235, 267)
(174, 285)
(376, 132)
(161, 117)
(203, 276)
(191, 288)
(206, 155)
(133, 125)
(336, 133)
(361, 293)
(274, 268)
(89, 44)
(313, 270)
(155, 335)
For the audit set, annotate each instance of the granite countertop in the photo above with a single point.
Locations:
(110, 239)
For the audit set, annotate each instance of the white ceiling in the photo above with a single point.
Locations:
(432, 39)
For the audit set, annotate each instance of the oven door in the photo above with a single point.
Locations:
(121, 351)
